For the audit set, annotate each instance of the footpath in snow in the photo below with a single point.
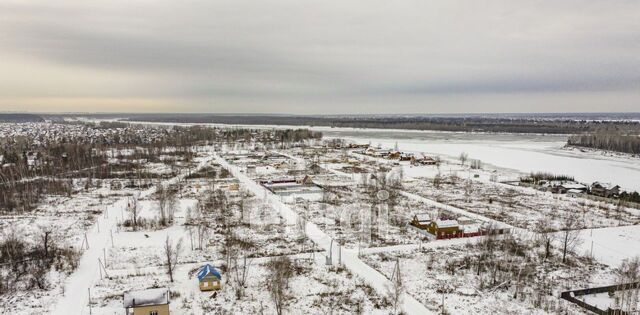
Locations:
(76, 288)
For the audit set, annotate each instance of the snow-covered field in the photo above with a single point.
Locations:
(344, 261)
(454, 277)
(611, 245)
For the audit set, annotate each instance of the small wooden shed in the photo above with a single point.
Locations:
(443, 228)
(209, 278)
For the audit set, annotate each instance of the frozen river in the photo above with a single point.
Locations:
(520, 152)
(524, 153)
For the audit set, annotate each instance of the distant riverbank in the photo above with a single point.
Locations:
(523, 153)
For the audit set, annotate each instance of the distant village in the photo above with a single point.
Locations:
(568, 186)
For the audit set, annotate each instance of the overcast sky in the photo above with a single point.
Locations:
(320, 57)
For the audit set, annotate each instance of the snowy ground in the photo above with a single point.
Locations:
(450, 275)
(138, 266)
(68, 218)
(523, 208)
(134, 261)
(611, 245)
(84, 221)
(520, 207)
(358, 276)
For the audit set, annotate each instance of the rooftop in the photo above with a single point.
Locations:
(207, 270)
(446, 223)
(146, 297)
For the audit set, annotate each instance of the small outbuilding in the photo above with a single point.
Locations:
(234, 187)
(209, 278)
(421, 220)
(424, 160)
(306, 180)
(147, 302)
(443, 228)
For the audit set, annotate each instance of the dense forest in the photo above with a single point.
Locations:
(608, 140)
(20, 118)
(515, 124)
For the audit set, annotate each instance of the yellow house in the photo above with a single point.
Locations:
(443, 228)
(209, 278)
(147, 302)
(234, 187)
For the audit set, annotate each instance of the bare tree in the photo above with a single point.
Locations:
(543, 227)
(26, 265)
(463, 158)
(172, 253)
(475, 164)
(239, 250)
(202, 229)
(242, 205)
(628, 275)
(330, 301)
(281, 270)
(620, 209)
(523, 270)
(166, 203)
(46, 241)
(437, 180)
(569, 236)
(134, 209)
(468, 189)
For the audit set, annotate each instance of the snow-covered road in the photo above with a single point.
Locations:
(350, 258)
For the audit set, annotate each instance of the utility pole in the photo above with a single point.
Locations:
(330, 257)
(396, 270)
(191, 237)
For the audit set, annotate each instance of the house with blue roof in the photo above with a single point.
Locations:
(210, 278)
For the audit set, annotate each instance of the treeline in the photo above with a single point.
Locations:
(608, 140)
(296, 135)
(535, 178)
(630, 196)
(440, 123)
(24, 196)
(25, 161)
(19, 118)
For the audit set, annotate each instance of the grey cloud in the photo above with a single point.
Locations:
(308, 56)
(552, 84)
